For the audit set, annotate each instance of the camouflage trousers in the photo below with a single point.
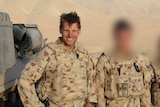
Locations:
(76, 103)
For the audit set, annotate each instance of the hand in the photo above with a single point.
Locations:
(88, 105)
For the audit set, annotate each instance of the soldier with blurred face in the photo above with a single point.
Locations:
(64, 71)
(123, 80)
(156, 85)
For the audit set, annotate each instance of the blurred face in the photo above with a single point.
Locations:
(70, 34)
(123, 39)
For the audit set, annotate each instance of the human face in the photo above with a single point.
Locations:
(123, 39)
(70, 34)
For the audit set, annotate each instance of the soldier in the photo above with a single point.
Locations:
(156, 85)
(122, 79)
(64, 69)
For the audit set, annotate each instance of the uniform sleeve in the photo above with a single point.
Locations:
(91, 75)
(30, 75)
(101, 101)
(147, 69)
(148, 77)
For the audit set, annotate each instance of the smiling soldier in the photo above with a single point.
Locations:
(64, 70)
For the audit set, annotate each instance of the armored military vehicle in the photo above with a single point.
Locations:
(19, 43)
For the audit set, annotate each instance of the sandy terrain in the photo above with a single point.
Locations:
(97, 17)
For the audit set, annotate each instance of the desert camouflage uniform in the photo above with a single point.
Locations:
(68, 78)
(124, 83)
(156, 87)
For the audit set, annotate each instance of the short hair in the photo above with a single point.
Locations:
(121, 25)
(70, 18)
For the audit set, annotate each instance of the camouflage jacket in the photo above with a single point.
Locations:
(155, 91)
(124, 83)
(69, 76)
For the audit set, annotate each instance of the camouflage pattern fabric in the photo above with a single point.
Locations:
(124, 83)
(75, 103)
(156, 88)
(69, 78)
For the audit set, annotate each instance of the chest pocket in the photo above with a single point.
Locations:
(72, 73)
(124, 81)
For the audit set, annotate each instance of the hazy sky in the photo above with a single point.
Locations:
(123, 6)
(97, 18)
